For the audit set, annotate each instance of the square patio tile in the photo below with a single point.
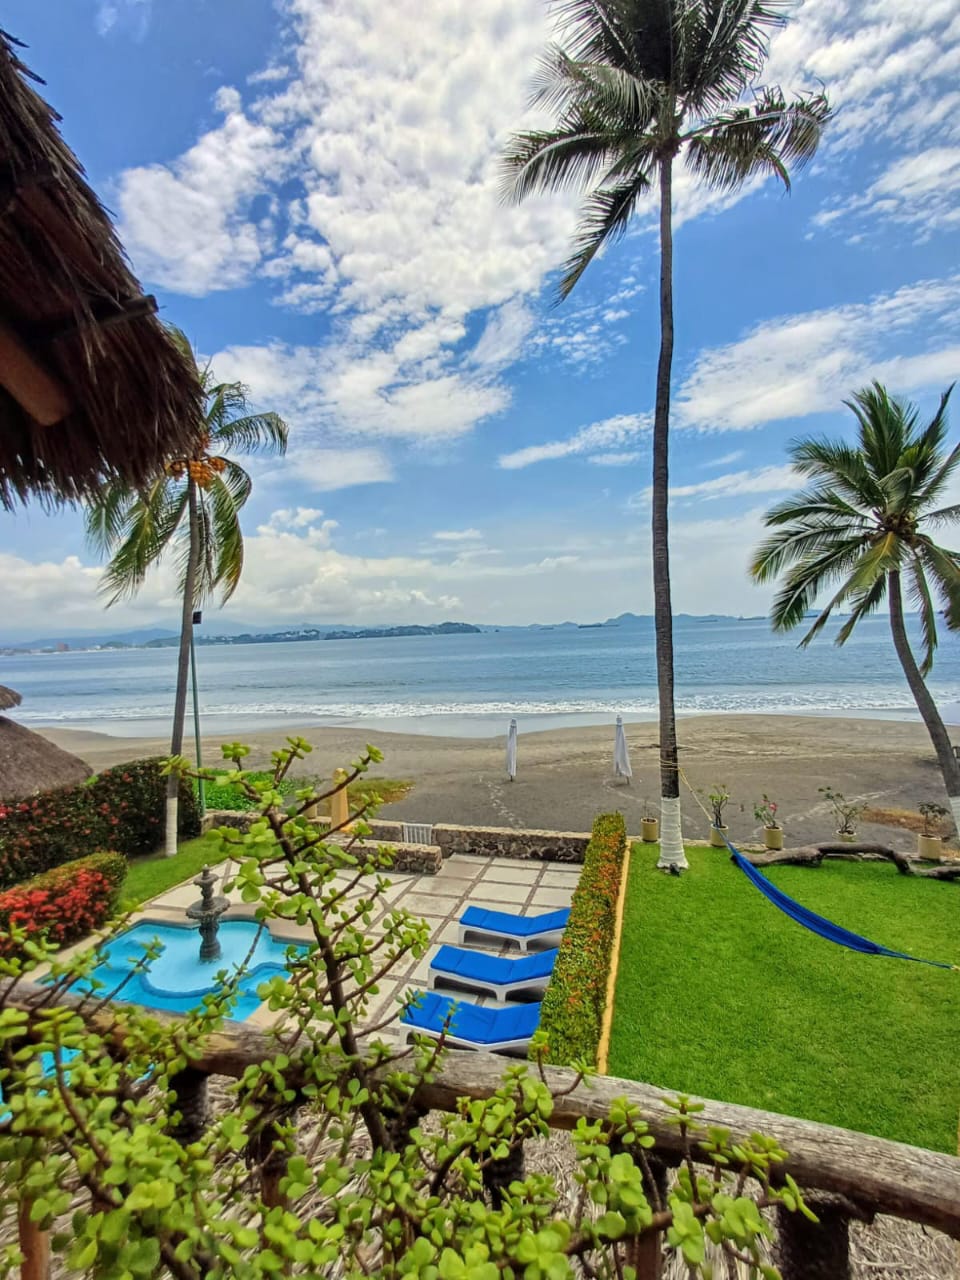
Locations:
(423, 904)
(556, 879)
(512, 873)
(551, 898)
(489, 892)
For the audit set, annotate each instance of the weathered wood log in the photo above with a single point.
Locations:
(888, 1177)
(811, 855)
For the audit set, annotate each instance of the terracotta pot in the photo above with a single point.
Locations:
(717, 835)
(650, 830)
(929, 846)
(773, 837)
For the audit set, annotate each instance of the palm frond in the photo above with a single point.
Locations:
(106, 517)
(864, 604)
(721, 47)
(943, 567)
(227, 537)
(826, 504)
(151, 525)
(919, 592)
(767, 137)
(259, 433)
(802, 543)
(577, 155)
(605, 219)
(807, 578)
(865, 582)
(839, 467)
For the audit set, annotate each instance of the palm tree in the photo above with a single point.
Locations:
(857, 531)
(192, 509)
(638, 85)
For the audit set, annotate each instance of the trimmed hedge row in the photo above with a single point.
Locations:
(572, 1010)
(64, 904)
(121, 808)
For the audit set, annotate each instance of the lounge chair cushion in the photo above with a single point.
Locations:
(494, 970)
(517, 926)
(494, 1025)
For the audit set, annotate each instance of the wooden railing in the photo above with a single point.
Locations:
(845, 1175)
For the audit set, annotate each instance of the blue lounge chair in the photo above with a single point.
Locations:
(491, 975)
(506, 1030)
(500, 926)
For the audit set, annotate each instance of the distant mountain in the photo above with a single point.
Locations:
(381, 633)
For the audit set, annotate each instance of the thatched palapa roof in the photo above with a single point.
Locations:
(9, 698)
(91, 386)
(31, 763)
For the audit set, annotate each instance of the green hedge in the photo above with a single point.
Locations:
(64, 904)
(121, 808)
(573, 1005)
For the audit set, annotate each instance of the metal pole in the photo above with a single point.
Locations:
(196, 714)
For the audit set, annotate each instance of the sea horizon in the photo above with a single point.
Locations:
(471, 685)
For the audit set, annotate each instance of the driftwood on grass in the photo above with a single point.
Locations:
(811, 855)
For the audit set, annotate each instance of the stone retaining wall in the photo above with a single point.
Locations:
(509, 842)
(491, 842)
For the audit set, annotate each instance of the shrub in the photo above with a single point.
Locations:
(64, 904)
(122, 808)
(574, 1002)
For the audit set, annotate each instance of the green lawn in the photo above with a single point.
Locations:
(148, 877)
(719, 993)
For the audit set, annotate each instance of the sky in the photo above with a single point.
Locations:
(311, 189)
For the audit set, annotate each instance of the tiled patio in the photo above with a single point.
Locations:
(526, 888)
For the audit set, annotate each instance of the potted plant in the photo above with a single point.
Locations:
(847, 812)
(766, 812)
(930, 839)
(719, 797)
(649, 823)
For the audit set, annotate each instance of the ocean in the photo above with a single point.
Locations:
(470, 684)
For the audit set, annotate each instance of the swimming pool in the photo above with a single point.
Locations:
(176, 981)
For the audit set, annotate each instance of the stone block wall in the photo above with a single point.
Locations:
(492, 842)
(509, 842)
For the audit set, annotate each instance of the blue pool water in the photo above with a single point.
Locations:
(176, 981)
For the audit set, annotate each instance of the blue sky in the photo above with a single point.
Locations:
(310, 188)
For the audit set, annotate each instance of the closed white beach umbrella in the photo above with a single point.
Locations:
(512, 750)
(621, 756)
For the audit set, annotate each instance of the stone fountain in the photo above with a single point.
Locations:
(208, 910)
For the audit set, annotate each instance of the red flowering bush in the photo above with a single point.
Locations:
(572, 1011)
(121, 808)
(64, 904)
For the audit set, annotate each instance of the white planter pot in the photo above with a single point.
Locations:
(773, 837)
(929, 846)
(717, 835)
(650, 830)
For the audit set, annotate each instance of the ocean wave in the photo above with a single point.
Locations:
(742, 701)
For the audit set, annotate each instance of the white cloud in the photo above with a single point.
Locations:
(773, 479)
(921, 190)
(338, 391)
(597, 437)
(725, 460)
(131, 15)
(323, 470)
(614, 459)
(187, 225)
(457, 535)
(808, 363)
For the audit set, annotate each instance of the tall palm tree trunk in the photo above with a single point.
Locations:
(921, 696)
(183, 669)
(671, 835)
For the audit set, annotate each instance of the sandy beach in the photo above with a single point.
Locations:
(565, 776)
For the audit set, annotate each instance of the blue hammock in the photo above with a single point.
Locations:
(818, 924)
